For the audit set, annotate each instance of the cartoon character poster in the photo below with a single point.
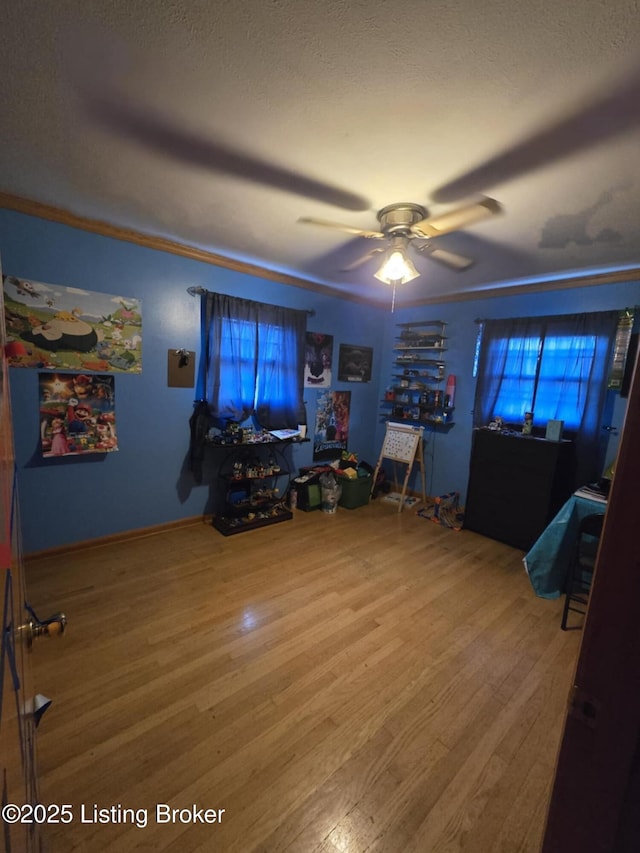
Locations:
(332, 424)
(317, 360)
(77, 414)
(52, 327)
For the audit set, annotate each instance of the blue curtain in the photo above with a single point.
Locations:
(556, 367)
(253, 360)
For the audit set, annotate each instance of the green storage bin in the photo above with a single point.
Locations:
(308, 496)
(355, 492)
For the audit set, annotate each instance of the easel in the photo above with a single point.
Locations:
(403, 443)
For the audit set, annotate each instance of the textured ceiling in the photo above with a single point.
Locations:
(219, 124)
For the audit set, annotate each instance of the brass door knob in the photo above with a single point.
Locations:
(53, 627)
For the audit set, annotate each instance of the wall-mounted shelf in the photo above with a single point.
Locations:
(418, 414)
(414, 395)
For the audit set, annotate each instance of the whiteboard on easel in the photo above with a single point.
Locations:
(401, 441)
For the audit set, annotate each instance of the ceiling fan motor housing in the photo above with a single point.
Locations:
(398, 218)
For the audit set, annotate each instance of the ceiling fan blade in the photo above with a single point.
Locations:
(363, 260)
(449, 259)
(454, 220)
(157, 132)
(605, 116)
(327, 223)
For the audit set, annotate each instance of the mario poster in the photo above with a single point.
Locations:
(77, 414)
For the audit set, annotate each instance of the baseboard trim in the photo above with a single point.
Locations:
(113, 538)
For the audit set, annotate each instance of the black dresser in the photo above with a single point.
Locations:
(516, 485)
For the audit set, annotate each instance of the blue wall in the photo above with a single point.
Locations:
(146, 482)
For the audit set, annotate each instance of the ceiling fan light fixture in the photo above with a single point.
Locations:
(396, 268)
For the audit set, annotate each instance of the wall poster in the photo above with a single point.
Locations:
(332, 424)
(52, 327)
(354, 363)
(77, 414)
(318, 358)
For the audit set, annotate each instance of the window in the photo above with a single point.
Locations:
(557, 368)
(254, 359)
(543, 375)
(240, 341)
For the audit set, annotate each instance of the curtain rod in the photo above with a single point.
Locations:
(198, 290)
(628, 311)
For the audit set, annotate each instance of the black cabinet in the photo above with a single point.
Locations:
(516, 485)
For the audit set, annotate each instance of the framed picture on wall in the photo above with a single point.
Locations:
(354, 363)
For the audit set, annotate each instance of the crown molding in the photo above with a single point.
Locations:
(162, 244)
(559, 283)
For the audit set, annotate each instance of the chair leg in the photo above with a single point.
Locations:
(568, 591)
(565, 611)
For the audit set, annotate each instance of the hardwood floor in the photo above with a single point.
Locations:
(364, 681)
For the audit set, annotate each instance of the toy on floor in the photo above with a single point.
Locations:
(445, 511)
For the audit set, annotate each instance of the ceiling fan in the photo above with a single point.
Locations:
(404, 224)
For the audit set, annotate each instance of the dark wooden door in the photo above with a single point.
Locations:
(594, 801)
(17, 726)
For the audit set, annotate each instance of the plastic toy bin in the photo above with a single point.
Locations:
(355, 492)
